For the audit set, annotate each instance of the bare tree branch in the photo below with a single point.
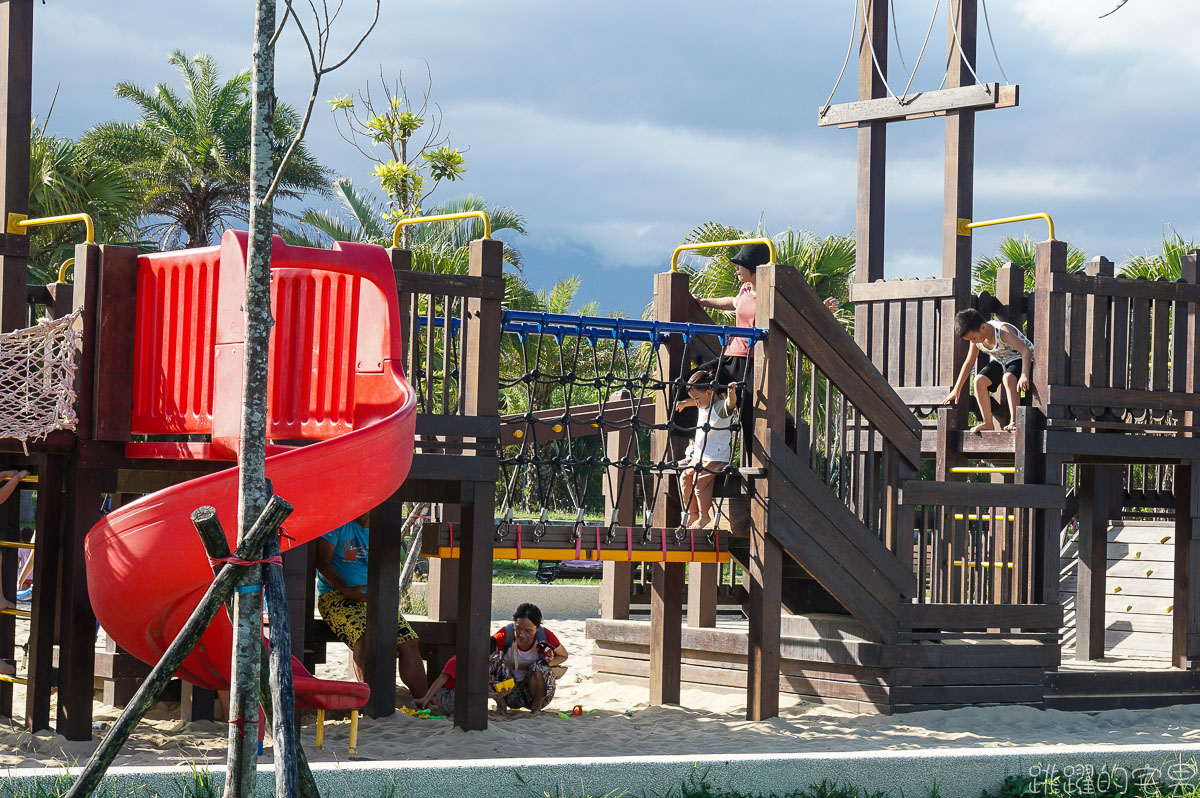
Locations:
(1115, 10)
(319, 69)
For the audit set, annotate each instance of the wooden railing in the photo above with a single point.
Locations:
(833, 482)
(1115, 353)
(441, 314)
(975, 542)
(906, 327)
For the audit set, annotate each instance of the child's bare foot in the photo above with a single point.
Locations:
(1011, 428)
(990, 425)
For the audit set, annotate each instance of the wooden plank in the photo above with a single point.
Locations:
(16, 102)
(1127, 681)
(882, 290)
(969, 694)
(1139, 345)
(922, 677)
(952, 617)
(1093, 554)
(116, 311)
(671, 301)
(1077, 339)
(383, 580)
(1160, 318)
(1136, 288)
(789, 471)
(974, 655)
(872, 151)
(76, 621)
(959, 494)
(1049, 353)
(461, 426)
(930, 333)
(455, 285)
(1189, 269)
(477, 468)
(912, 337)
(980, 97)
(50, 506)
(482, 352)
(1079, 445)
(1100, 703)
(1187, 565)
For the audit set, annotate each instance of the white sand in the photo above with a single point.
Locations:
(707, 723)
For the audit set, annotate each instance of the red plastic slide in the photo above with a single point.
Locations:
(335, 378)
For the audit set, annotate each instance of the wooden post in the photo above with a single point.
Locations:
(666, 596)
(16, 109)
(1093, 563)
(872, 146)
(1185, 627)
(1010, 292)
(618, 497)
(479, 514)
(1189, 272)
(766, 555)
(383, 588)
(10, 531)
(1049, 334)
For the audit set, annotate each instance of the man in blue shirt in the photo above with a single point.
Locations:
(342, 601)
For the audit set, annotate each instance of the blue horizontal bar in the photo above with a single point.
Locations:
(440, 321)
(616, 327)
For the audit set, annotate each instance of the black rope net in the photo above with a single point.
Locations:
(572, 381)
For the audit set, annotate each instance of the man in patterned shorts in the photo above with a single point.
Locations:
(342, 602)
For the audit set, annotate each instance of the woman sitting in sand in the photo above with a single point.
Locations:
(531, 654)
(13, 482)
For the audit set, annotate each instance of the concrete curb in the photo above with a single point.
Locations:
(557, 602)
(956, 773)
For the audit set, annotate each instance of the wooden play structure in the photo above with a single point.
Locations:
(893, 561)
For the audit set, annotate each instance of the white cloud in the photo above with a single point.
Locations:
(1158, 31)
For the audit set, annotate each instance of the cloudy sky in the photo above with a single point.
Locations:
(616, 127)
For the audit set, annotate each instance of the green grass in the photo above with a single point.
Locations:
(521, 572)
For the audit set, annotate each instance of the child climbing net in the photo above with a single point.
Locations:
(604, 374)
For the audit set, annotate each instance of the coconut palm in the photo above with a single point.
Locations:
(65, 177)
(827, 263)
(1165, 265)
(191, 152)
(439, 247)
(1019, 252)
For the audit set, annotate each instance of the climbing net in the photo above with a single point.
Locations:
(572, 380)
(37, 379)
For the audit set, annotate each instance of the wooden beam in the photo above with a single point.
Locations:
(1185, 631)
(927, 288)
(872, 145)
(977, 97)
(981, 494)
(482, 352)
(671, 299)
(16, 109)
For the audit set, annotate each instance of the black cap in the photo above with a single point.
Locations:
(752, 255)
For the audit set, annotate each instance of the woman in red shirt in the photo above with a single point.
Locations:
(530, 653)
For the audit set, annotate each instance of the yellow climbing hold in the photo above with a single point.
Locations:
(518, 434)
(1167, 611)
(1167, 539)
(557, 427)
(1117, 589)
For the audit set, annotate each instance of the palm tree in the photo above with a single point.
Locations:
(1019, 252)
(827, 264)
(1163, 265)
(439, 247)
(191, 153)
(65, 177)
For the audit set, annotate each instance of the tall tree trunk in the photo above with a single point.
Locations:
(241, 777)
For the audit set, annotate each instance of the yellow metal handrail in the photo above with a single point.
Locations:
(686, 247)
(17, 223)
(62, 271)
(445, 217)
(965, 226)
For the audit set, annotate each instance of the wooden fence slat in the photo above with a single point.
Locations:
(913, 333)
(1159, 352)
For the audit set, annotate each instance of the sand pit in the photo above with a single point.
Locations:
(706, 723)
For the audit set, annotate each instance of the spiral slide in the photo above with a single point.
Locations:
(335, 378)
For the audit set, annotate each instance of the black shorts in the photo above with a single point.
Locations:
(995, 372)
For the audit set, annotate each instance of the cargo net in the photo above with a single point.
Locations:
(37, 379)
(573, 380)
